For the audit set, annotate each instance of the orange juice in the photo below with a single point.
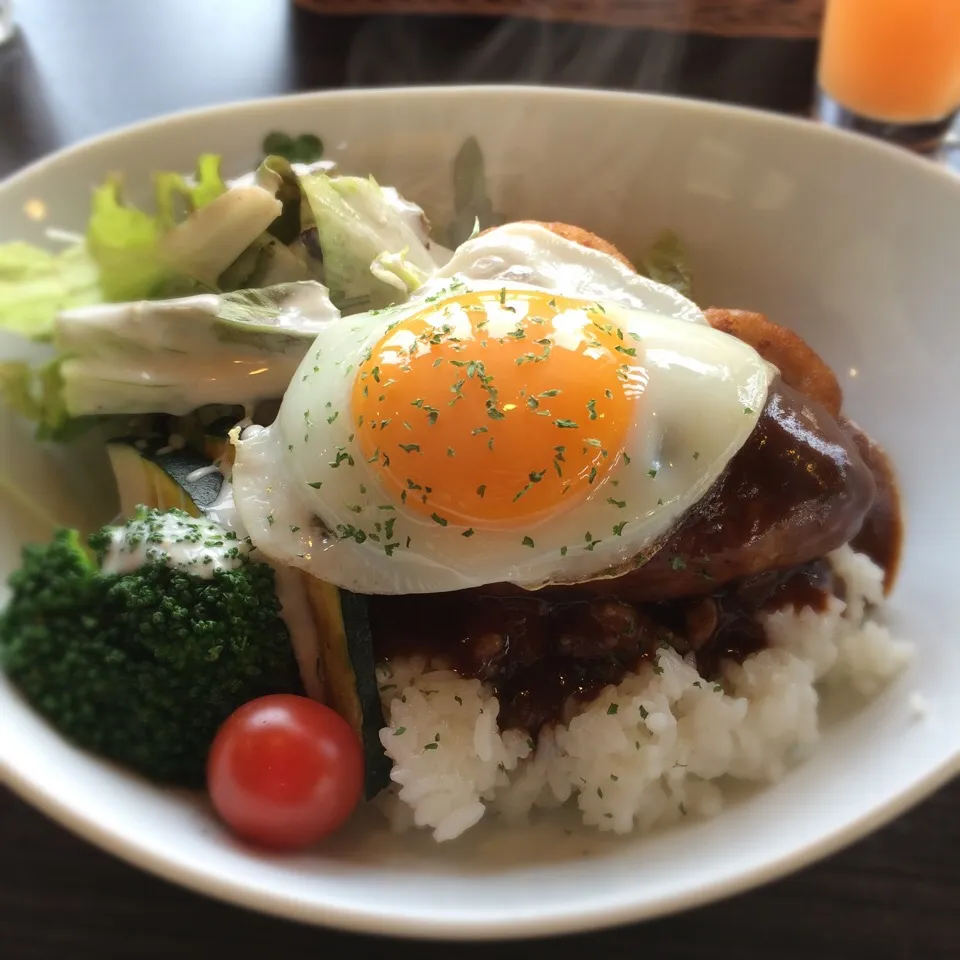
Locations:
(892, 60)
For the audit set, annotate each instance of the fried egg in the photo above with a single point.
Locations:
(530, 253)
(498, 429)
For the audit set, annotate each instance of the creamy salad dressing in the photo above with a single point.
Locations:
(196, 546)
(194, 475)
(411, 214)
(173, 356)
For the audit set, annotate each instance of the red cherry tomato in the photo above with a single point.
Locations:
(285, 771)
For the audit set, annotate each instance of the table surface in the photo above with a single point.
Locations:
(78, 69)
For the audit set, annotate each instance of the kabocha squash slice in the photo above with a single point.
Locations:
(345, 648)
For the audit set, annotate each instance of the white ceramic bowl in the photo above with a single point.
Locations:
(853, 244)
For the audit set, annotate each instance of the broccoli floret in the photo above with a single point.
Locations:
(142, 665)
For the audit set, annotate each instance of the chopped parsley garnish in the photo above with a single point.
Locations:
(567, 424)
(468, 532)
(341, 456)
(527, 542)
(612, 709)
(618, 528)
(409, 447)
(348, 532)
(317, 484)
(436, 518)
(592, 408)
(652, 472)
(481, 490)
(678, 563)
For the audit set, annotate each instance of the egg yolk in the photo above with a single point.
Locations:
(497, 408)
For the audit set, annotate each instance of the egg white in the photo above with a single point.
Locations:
(529, 253)
(298, 483)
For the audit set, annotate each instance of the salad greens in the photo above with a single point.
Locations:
(241, 253)
(358, 225)
(217, 277)
(175, 356)
(35, 284)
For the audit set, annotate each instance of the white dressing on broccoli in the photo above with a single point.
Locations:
(196, 546)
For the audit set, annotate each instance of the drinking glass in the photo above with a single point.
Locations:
(891, 68)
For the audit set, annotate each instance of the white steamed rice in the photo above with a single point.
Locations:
(646, 752)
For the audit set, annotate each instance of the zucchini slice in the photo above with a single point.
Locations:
(149, 473)
(349, 671)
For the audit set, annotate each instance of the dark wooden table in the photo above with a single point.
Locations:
(81, 68)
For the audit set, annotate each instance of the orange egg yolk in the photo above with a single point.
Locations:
(498, 408)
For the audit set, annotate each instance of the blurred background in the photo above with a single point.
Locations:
(78, 67)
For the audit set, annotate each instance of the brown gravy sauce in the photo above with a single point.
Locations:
(538, 653)
(881, 535)
(542, 652)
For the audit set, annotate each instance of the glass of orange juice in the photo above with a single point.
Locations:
(891, 68)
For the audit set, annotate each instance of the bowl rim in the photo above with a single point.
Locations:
(370, 920)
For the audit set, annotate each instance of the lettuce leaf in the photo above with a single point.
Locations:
(123, 242)
(172, 189)
(357, 224)
(141, 256)
(215, 235)
(175, 356)
(36, 393)
(35, 284)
